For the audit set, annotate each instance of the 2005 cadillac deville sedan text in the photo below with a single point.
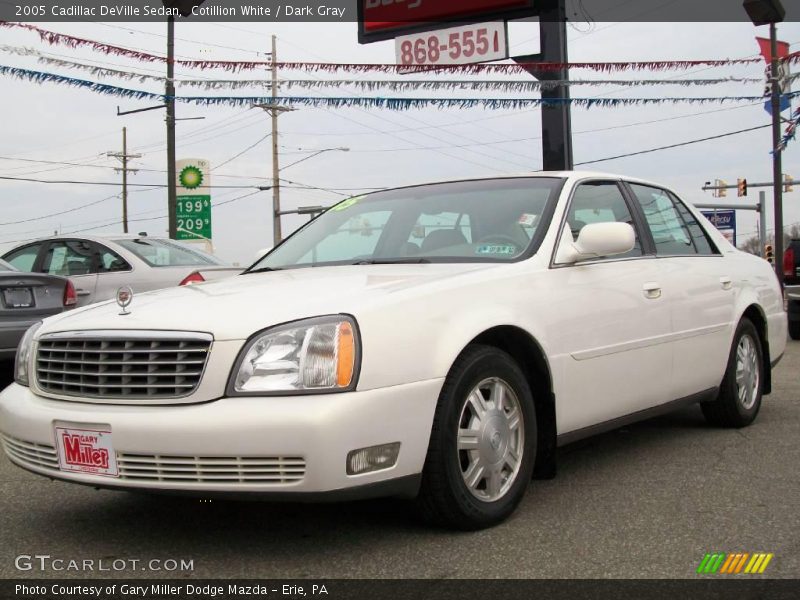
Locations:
(436, 341)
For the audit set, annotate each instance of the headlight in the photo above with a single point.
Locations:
(23, 358)
(313, 355)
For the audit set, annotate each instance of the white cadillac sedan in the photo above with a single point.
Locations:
(436, 341)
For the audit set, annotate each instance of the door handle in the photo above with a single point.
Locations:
(652, 290)
(726, 283)
(80, 292)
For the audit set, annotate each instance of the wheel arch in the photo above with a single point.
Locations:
(756, 315)
(532, 359)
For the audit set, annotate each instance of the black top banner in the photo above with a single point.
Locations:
(339, 11)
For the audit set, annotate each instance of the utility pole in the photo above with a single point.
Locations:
(123, 158)
(276, 188)
(762, 222)
(172, 202)
(274, 111)
(777, 178)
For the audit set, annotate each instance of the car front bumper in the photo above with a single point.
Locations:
(294, 446)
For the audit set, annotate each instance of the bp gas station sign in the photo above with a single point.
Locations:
(193, 206)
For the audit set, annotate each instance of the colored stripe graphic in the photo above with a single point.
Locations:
(734, 563)
(711, 562)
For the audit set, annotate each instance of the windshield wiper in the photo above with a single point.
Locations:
(262, 270)
(393, 261)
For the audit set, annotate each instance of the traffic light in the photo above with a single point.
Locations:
(787, 183)
(769, 254)
(184, 6)
(741, 187)
(720, 193)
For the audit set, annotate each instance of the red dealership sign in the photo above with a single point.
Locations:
(386, 19)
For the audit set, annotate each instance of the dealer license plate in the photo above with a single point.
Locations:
(18, 297)
(86, 450)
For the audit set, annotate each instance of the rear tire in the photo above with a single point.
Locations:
(739, 398)
(483, 442)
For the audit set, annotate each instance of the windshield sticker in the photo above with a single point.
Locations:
(347, 203)
(527, 219)
(504, 249)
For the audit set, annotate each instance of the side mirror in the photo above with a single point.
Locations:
(596, 240)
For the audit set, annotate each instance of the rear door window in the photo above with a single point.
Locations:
(675, 231)
(69, 258)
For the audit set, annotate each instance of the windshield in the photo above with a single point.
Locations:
(468, 221)
(4, 266)
(166, 253)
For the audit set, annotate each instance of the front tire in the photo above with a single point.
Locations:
(483, 442)
(742, 386)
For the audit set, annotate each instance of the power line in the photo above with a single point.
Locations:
(60, 213)
(705, 139)
(136, 220)
(250, 147)
(114, 183)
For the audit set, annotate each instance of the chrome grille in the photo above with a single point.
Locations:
(121, 365)
(209, 470)
(219, 469)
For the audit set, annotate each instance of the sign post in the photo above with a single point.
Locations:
(193, 199)
(406, 20)
(725, 221)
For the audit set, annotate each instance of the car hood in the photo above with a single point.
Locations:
(236, 307)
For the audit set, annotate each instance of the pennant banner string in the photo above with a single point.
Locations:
(54, 38)
(529, 84)
(365, 102)
(791, 131)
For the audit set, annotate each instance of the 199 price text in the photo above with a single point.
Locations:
(457, 45)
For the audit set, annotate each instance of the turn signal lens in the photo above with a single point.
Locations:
(346, 355)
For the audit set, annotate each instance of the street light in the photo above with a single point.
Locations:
(769, 12)
(317, 153)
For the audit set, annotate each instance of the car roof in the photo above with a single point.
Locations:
(95, 237)
(570, 175)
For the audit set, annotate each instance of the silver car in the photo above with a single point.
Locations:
(99, 265)
(26, 298)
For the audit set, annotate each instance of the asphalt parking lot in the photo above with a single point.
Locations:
(645, 501)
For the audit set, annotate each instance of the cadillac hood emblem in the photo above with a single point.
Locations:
(124, 298)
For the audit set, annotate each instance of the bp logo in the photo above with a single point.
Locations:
(191, 177)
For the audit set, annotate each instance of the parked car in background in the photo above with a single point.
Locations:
(791, 263)
(793, 309)
(25, 299)
(791, 276)
(436, 341)
(99, 265)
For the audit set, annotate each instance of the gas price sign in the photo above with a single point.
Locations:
(193, 199)
(454, 46)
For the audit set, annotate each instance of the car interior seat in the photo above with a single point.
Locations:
(77, 267)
